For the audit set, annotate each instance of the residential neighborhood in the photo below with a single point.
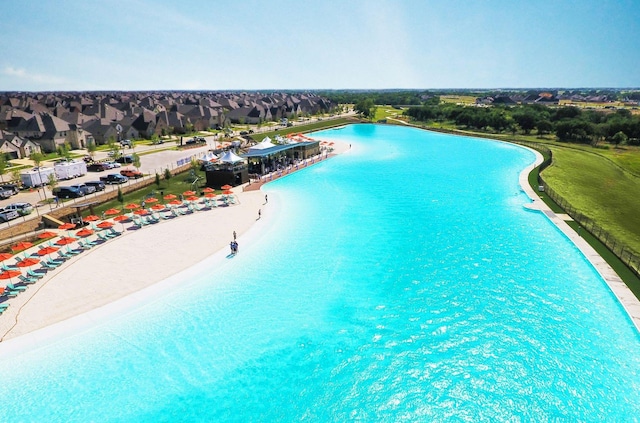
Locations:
(31, 122)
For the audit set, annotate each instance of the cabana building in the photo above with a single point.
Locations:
(229, 169)
(267, 157)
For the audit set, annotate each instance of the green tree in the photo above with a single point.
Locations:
(157, 180)
(52, 183)
(366, 108)
(114, 148)
(37, 158)
(136, 160)
(544, 127)
(64, 150)
(91, 148)
(167, 173)
(526, 120)
(619, 138)
(120, 196)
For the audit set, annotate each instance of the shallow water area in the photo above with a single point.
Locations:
(402, 280)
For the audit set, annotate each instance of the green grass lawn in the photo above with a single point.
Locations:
(176, 185)
(600, 189)
(386, 112)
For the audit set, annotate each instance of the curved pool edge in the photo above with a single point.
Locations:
(625, 297)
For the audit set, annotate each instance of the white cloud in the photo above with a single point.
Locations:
(32, 77)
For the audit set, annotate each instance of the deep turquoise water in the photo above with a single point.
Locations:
(402, 281)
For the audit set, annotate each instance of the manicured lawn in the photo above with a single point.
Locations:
(600, 189)
(176, 185)
(386, 112)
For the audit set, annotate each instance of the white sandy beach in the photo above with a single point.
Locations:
(134, 261)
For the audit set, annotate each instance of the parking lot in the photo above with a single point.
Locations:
(150, 163)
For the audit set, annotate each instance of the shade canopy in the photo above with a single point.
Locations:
(230, 157)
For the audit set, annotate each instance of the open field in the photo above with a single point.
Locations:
(600, 189)
(458, 99)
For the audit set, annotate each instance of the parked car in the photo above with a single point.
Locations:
(68, 192)
(7, 215)
(114, 178)
(126, 143)
(97, 167)
(131, 173)
(125, 159)
(111, 165)
(98, 185)
(23, 209)
(10, 187)
(86, 189)
(5, 193)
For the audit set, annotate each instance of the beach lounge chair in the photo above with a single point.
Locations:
(114, 232)
(71, 252)
(7, 293)
(27, 280)
(17, 288)
(103, 237)
(63, 255)
(51, 263)
(35, 275)
(3, 307)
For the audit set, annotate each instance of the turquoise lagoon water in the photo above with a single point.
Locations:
(401, 281)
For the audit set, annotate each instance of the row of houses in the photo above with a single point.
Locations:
(548, 98)
(43, 121)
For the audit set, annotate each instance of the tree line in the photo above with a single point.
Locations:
(568, 124)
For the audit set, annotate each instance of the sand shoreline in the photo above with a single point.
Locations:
(125, 272)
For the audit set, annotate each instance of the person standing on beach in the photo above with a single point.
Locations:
(266, 199)
(231, 246)
(259, 214)
(234, 235)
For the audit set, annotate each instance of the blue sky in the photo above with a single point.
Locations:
(360, 44)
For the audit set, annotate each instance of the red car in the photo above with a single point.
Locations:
(131, 173)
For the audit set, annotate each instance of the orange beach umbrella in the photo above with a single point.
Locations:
(188, 193)
(66, 240)
(208, 190)
(169, 197)
(8, 274)
(151, 200)
(5, 256)
(104, 225)
(121, 218)
(84, 232)
(111, 212)
(91, 218)
(47, 250)
(226, 187)
(47, 234)
(22, 245)
(132, 206)
(66, 226)
(29, 261)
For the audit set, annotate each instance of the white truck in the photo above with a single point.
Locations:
(70, 169)
(36, 177)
